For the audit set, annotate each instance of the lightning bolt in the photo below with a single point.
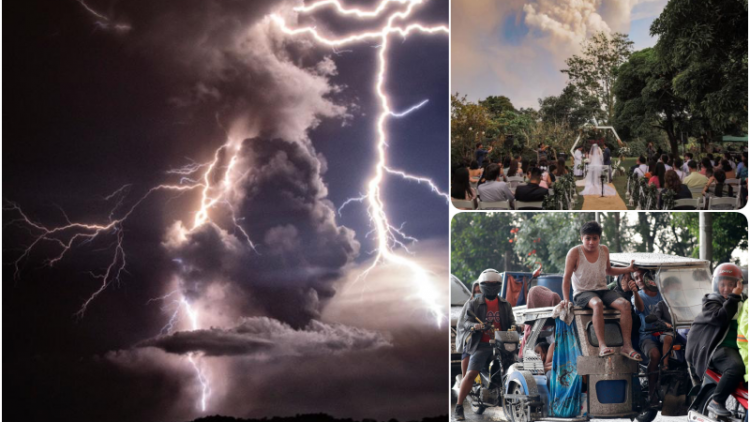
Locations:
(104, 22)
(387, 237)
(194, 359)
(68, 236)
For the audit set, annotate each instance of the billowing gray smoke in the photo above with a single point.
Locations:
(228, 60)
(227, 57)
(299, 249)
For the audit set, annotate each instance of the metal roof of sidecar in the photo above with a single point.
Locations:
(643, 259)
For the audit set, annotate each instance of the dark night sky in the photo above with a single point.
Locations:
(88, 110)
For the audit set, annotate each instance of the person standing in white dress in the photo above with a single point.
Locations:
(578, 162)
(595, 170)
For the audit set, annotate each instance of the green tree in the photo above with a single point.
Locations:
(546, 238)
(483, 240)
(705, 44)
(469, 121)
(521, 125)
(649, 227)
(496, 105)
(729, 234)
(560, 117)
(646, 100)
(613, 228)
(595, 70)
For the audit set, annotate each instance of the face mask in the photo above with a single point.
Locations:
(490, 291)
(476, 295)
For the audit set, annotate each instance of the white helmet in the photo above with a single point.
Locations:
(490, 275)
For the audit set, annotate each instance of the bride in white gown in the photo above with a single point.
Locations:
(595, 170)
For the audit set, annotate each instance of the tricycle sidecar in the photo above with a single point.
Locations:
(610, 389)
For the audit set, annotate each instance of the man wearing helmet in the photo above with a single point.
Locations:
(712, 341)
(489, 308)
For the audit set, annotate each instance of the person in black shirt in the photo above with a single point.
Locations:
(532, 192)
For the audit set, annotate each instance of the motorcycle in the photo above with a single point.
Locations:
(487, 390)
(736, 402)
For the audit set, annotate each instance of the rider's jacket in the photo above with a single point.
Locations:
(709, 329)
(477, 307)
(460, 322)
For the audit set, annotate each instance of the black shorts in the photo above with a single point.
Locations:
(607, 296)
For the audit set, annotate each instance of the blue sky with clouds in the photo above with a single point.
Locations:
(516, 48)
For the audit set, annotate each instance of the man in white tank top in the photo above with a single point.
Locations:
(588, 266)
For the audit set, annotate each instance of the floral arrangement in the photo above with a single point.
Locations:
(668, 199)
(639, 194)
(564, 189)
(632, 189)
(651, 196)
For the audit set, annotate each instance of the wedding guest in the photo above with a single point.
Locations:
(695, 179)
(672, 183)
(461, 187)
(658, 175)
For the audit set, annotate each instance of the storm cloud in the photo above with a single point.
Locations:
(300, 250)
(265, 338)
(229, 57)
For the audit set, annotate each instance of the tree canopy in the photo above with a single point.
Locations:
(646, 99)
(595, 70)
(704, 44)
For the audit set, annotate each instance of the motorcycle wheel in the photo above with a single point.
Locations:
(514, 409)
(703, 406)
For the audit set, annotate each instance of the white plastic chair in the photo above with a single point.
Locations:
(694, 203)
(725, 203)
(496, 205)
(515, 181)
(697, 192)
(467, 205)
(533, 205)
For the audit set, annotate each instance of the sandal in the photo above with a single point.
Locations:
(633, 355)
(607, 351)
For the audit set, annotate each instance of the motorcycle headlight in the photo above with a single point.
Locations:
(510, 347)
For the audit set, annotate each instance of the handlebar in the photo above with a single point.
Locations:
(659, 326)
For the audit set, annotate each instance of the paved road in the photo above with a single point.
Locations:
(496, 414)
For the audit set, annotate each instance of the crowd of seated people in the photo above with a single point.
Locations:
(490, 182)
(705, 177)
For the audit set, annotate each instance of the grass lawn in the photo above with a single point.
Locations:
(620, 182)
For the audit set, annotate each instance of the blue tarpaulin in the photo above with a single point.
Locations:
(565, 385)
